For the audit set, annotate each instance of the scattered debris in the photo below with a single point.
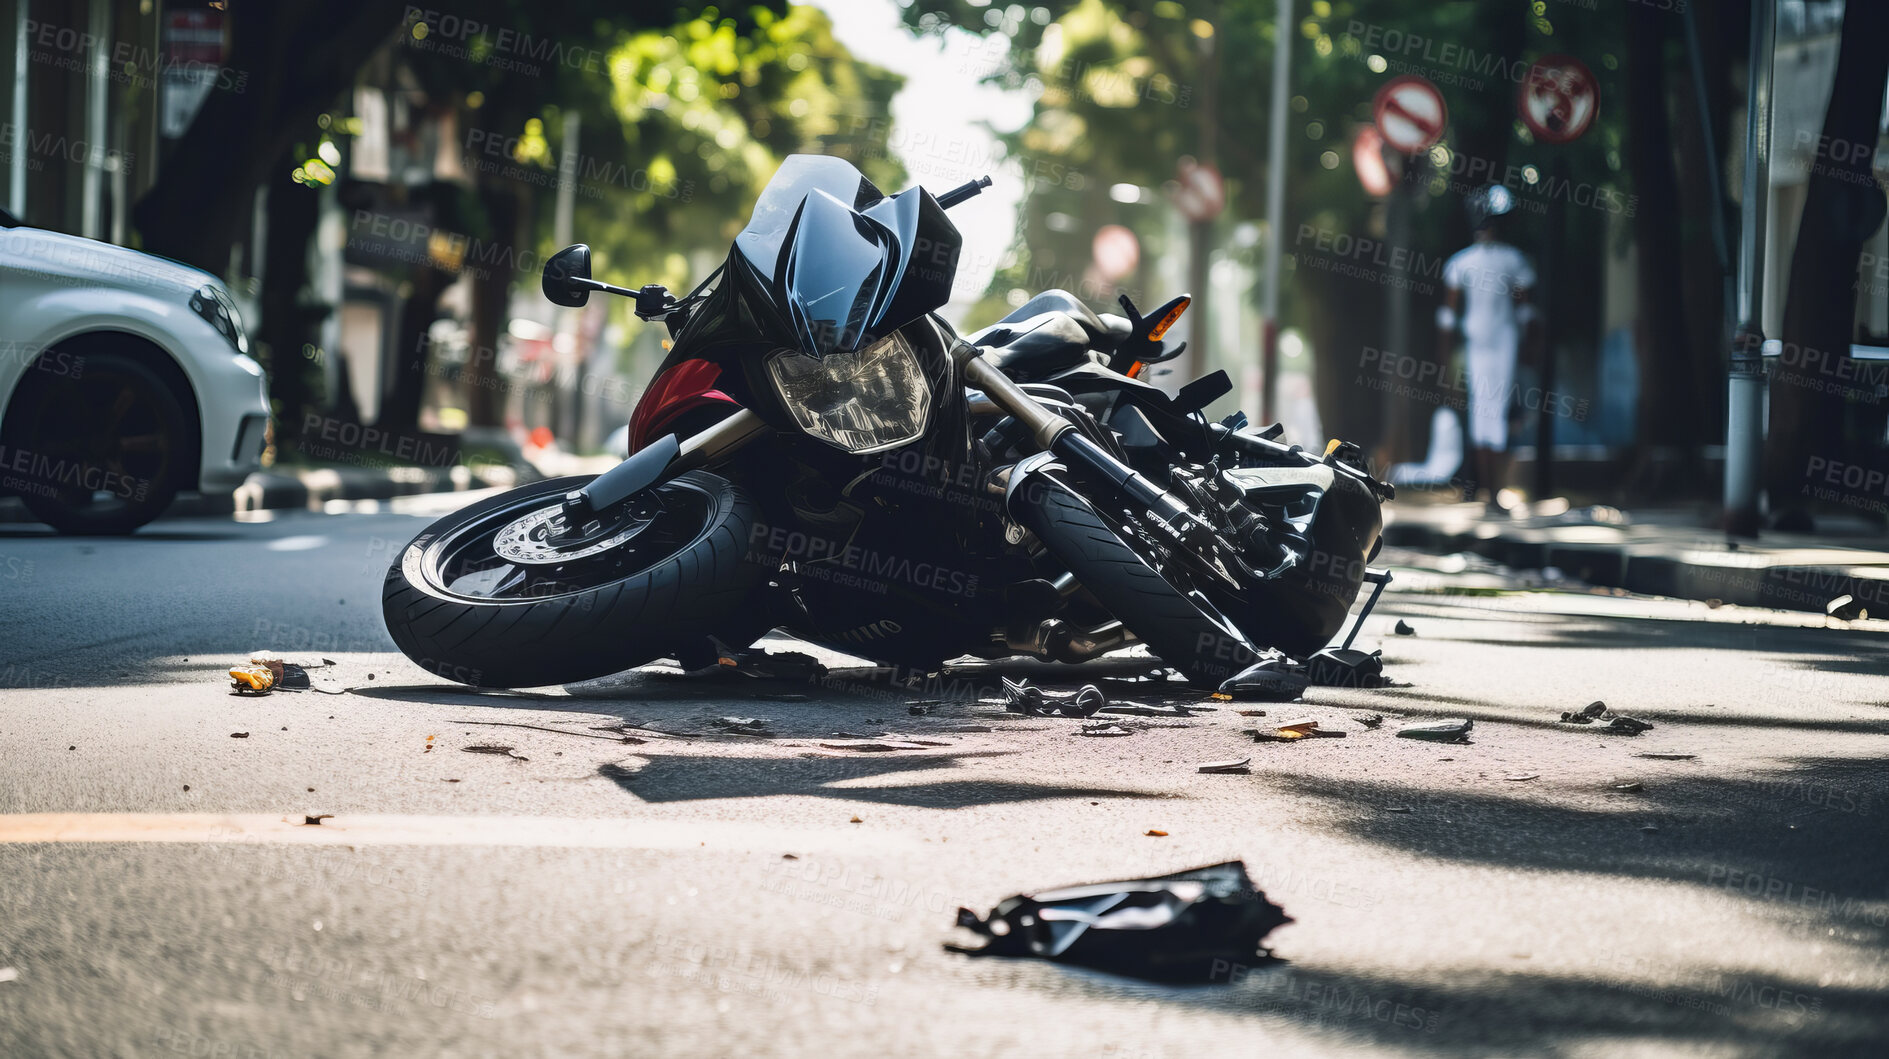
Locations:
(617, 728)
(1448, 730)
(970, 728)
(742, 725)
(1612, 723)
(1105, 730)
(1154, 833)
(1520, 776)
(252, 680)
(886, 745)
(315, 821)
(9, 974)
(1275, 678)
(1649, 827)
(1292, 731)
(1139, 709)
(1630, 786)
(1031, 701)
(1403, 628)
(856, 820)
(789, 856)
(1663, 755)
(1374, 720)
(1398, 809)
(496, 750)
(1252, 713)
(1189, 926)
(918, 709)
(1339, 667)
(239, 735)
(1846, 608)
(1241, 767)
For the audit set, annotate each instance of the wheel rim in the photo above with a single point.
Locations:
(105, 447)
(478, 561)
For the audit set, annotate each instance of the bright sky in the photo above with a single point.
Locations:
(938, 128)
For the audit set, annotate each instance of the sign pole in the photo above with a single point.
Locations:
(1275, 213)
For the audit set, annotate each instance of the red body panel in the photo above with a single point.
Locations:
(680, 388)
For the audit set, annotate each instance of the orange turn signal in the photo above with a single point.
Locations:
(1168, 320)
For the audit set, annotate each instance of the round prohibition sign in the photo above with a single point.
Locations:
(1558, 99)
(1409, 113)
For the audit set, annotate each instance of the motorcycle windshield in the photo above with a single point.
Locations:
(835, 254)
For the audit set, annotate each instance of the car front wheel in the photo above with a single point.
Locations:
(98, 449)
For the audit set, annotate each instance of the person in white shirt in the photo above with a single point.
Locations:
(1488, 287)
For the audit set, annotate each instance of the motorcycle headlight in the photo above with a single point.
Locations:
(871, 399)
(216, 307)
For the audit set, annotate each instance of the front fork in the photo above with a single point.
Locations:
(1057, 435)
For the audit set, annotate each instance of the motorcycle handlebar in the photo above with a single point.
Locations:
(963, 191)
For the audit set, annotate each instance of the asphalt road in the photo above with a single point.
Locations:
(706, 893)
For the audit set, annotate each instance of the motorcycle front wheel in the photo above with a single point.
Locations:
(484, 597)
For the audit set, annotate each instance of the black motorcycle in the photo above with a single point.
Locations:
(821, 452)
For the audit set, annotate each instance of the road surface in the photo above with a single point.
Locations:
(697, 892)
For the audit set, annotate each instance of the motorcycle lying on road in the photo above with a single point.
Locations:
(821, 452)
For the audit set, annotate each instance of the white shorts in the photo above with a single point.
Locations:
(1491, 383)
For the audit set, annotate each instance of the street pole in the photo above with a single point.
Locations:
(1744, 422)
(562, 224)
(1275, 212)
(1200, 232)
(1552, 301)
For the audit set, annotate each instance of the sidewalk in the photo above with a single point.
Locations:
(1660, 553)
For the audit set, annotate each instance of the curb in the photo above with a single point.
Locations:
(1774, 576)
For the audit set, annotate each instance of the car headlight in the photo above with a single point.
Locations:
(871, 399)
(214, 305)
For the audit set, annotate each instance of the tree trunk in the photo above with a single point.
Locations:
(491, 297)
(1669, 406)
(1843, 206)
(289, 323)
(289, 60)
(412, 352)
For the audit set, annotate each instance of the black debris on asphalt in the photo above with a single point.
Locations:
(1192, 926)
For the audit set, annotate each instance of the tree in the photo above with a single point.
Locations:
(1843, 207)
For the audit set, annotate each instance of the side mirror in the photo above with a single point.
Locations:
(565, 266)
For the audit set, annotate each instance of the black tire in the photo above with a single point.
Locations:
(695, 591)
(99, 447)
(1173, 626)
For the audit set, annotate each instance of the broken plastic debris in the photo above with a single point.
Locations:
(1106, 730)
(1020, 696)
(1228, 768)
(1631, 787)
(1372, 721)
(1664, 755)
(1845, 608)
(1520, 776)
(239, 735)
(1154, 833)
(1339, 667)
(1449, 730)
(315, 821)
(1192, 926)
(1403, 628)
(1272, 679)
(741, 725)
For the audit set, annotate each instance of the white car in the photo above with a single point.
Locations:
(124, 379)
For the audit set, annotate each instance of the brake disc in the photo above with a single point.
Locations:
(526, 541)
